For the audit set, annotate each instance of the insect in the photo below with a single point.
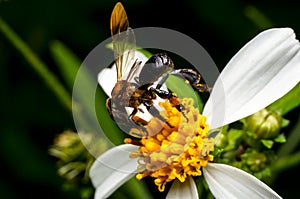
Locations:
(134, 88)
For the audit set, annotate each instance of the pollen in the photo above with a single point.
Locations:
(175, 148)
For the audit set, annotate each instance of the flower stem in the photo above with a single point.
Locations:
(283, 164)
(292, 141)
(138, 188)
(286, 161)
(50, 79)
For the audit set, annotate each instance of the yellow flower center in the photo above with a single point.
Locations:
(175, 148)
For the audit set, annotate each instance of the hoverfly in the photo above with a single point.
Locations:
(134, 89)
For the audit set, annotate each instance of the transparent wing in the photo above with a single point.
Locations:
(123, 40)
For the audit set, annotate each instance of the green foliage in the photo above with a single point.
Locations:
(252, 146)
(69, 64)
(183, 89)
(74, 161)
(287, 103)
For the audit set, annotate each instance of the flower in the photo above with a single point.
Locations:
(175, 148)
(264, 70)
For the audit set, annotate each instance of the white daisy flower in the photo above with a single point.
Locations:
(264, 70)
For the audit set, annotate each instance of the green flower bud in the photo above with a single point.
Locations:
(74, 160)
(255, 161)
(221, 140)
(264, 123)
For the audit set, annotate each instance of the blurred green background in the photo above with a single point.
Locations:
(32, 115)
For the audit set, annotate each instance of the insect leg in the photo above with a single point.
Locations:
(192, 77)
(162, 80)
(108, 106)
(155, 112)
(135, 122)
(132, 117)
(172, 98)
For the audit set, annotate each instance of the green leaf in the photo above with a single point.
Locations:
(267, 143)
(258, 17)
(110, 128)
(183, 90)
(284, 122)
(234, 135)
(288, 102)
(145, 52)
(68, 63)
(38, 65)
(280, 139)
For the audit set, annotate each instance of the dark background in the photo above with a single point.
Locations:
(31, 115)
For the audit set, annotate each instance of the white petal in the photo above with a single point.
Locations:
(112, 169)
(180, 190)
(261, 72)
(226, 181)
(107, 78)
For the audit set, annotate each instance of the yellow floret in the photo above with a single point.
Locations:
(177, 148)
